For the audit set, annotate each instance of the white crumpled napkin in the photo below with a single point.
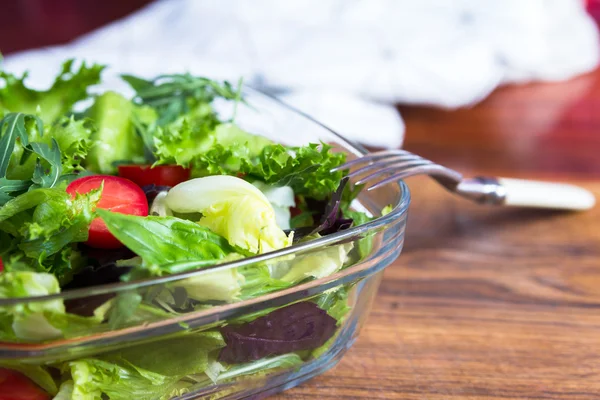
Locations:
(345, 62)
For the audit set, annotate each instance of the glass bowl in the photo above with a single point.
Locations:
(374, 245)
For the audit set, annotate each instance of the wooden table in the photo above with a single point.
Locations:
(483, 303)
(489, 302)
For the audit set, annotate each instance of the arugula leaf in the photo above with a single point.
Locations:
(15, 129)
(51, 154)
(175, 95)
(9, 188)
(163, 240)
(69, 87)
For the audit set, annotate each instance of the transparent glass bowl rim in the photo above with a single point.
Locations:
(397, 212)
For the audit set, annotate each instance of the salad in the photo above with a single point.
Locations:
(102, 188)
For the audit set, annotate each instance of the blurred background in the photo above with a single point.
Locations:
(359, 66)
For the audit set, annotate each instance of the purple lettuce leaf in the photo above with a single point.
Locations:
(330, 214)
(300, 326)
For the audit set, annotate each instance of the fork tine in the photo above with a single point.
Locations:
(392, 164)
(393, 168)
(432, 169)
(369, 158)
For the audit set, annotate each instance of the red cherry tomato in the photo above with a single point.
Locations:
(118, 195)
(160, 175)
(16, 386)
(1, 265)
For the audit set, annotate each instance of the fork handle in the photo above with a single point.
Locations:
(538, 194)
(526, 193)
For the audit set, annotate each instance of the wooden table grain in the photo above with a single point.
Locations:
(489, 303)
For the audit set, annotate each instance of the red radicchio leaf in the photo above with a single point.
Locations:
(300, 326)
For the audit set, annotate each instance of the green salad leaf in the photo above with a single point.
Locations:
(232, 208)
(70, 86)
(44, 223)
(161, 241)
(36, 320)
(146, 371)
(176, 357)
(177, 94)
(94, 379)
(115, 139)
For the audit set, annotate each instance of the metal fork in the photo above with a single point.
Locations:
(388, 166)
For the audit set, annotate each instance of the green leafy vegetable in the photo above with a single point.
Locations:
(258, 367)
(233, 208)
(115, 139)
(146, 371)
(201, 142)
(317, 264)
(43, 224)
(182, 355)
(93, 378)
(36, 320)
(178, 94)
(306, 169)
(69, 87)
(164, 240)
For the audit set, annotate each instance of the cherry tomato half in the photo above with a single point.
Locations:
(118, 195)
(16, 386)
(160, 175)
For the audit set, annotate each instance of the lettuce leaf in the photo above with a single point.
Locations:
(307, 169)
(182, 355)
(232, 208)
(146, 371)
(70, 86)
(198, 140)
(115, 139)
(41, 320)
(93, 379)
(299, 326)
(34, 157)
(43, 224)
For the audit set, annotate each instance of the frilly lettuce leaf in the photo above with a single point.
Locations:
(146, 371)
(193, 140)
(70, 86)
(93, 378)
(43, 224)
(73, 139)
(307, 170)
(232, 208)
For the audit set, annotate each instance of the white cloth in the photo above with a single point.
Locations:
(345, 61)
